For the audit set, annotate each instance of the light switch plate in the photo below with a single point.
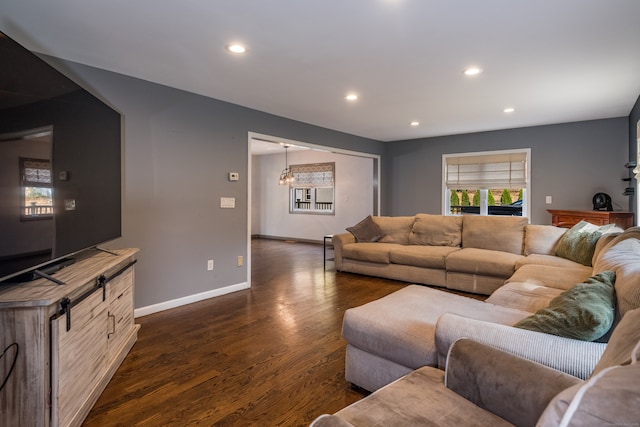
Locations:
(234, 176)
(228, 202)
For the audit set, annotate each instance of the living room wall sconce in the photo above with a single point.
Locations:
(286, 177)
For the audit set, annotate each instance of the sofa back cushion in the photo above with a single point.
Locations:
(622, 255)
(624, 339)
(494, 233)
(396, 229)
(541, 239)
(611, 395)
(436, 230)
(609, 399)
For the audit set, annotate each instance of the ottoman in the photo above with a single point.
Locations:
(392, 336)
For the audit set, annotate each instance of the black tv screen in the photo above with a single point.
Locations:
(59, 165)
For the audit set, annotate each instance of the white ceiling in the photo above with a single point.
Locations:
(554, 61)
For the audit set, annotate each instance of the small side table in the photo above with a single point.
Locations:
(327, 238)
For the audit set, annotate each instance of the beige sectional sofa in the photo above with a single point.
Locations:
(484, 386)
(415, 326)
(468, 253)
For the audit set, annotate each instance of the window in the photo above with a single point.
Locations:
(312, 192)
(487, 183)
(36, 193)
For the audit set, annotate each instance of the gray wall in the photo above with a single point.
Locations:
(570, 162)
(178, 149)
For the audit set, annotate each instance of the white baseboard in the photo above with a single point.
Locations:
(150, 309)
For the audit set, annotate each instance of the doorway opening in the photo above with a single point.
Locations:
(357, 190)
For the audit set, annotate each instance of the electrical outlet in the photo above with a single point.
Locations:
(210, 265)
(549, 200)
(240, 261)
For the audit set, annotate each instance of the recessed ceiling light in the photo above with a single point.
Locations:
(509, 110)
(351, 97)
(236, 48)
(414, 123)
(472, 71)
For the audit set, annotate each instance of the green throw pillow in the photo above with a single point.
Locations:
(366, 231)
(579, 242)
(585, 312)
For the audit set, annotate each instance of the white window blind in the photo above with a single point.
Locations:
(313, 175)
(508, 170)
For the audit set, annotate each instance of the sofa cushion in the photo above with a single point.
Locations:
(611, 395)
(421, 256)
(605, 242)
(418, 399)
(370, 252)
(523, 296)
(541, 239)
(327, 420)
(366, 230)
(516, 389)
(436, 230)
(494, 233)
(483, 262)
(607, 399)
(400, 326)
(579, 243)
(551, 260)
(584, 312)
(562, 278)
(396, 229)
(622, 255)
(622, 343)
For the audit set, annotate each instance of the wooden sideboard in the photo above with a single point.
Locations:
(70, 339)
(568, 218)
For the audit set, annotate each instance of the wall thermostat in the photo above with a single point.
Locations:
(234, 176)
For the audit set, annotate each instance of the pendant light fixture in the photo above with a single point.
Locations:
(286, 177)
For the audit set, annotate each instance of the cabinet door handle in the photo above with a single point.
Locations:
(113, 325)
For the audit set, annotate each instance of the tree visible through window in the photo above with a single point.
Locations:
(36, 192)
(313, 189)
(486, 183)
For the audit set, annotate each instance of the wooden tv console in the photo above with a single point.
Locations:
(70, 339)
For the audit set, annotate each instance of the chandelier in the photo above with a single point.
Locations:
(286, 177)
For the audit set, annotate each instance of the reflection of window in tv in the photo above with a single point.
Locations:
(36, 191)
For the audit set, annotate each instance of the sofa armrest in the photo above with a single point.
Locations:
(339, 241)
(516, 389)
(330, 421)
(577, 358)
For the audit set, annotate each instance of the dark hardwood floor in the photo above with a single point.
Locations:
(268, 356)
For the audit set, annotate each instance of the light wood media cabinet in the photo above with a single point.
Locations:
(70, 339)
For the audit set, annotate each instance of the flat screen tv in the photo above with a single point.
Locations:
(59, 167)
